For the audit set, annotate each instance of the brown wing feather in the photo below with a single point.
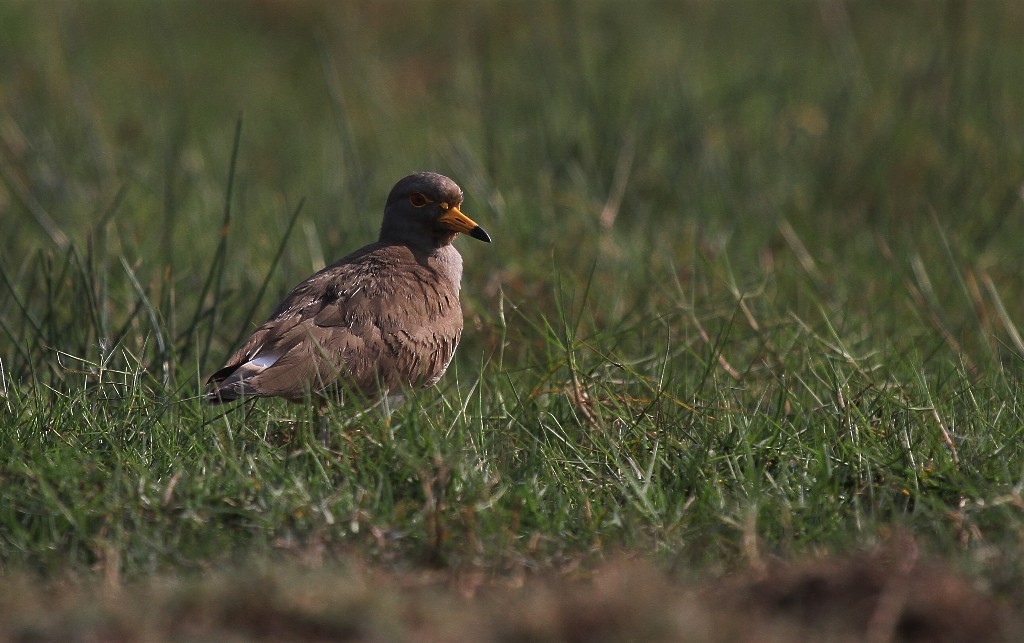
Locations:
(379, 318)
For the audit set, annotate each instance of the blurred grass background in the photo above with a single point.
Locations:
(755, 290)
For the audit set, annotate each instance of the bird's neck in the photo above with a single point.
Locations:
(445, 261)
(429, 242)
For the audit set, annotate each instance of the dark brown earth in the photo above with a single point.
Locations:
(881, 596)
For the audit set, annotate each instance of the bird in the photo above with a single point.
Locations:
(378, 320)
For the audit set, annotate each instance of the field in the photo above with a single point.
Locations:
(744, 361)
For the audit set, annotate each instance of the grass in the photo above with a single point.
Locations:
(755, 293)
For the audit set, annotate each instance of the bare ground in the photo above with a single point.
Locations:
(882, 596)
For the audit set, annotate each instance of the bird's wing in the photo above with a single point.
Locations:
(365, 321)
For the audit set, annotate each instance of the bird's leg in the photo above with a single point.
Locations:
(391, 402)
(321, 422)
(250, 406)
(248, 410)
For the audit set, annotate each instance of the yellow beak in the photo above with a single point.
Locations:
(455, 221)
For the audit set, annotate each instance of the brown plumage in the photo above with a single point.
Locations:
(385, 317)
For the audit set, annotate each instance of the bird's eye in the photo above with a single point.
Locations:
(418, 200)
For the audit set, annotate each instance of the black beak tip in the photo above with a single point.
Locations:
(481, 234)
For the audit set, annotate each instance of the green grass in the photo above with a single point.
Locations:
(756, 288)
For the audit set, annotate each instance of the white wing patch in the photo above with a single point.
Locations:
(264, 360)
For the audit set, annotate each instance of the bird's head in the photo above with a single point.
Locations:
(423, 210)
